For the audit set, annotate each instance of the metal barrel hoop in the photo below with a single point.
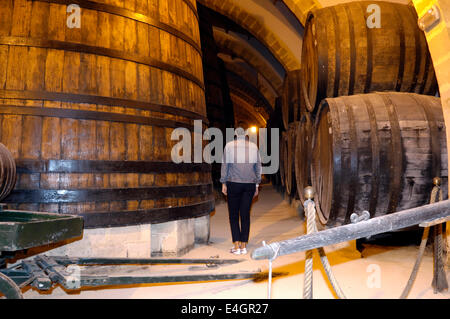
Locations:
(9, 288)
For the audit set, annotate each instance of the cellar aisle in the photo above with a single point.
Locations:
(381, 273)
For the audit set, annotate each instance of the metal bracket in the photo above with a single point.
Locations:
(430, 19)
(356, 218)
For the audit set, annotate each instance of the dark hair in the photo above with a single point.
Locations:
(242, 124)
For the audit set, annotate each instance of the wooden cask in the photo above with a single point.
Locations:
(283, 158)
(377, 152)
(88, 112)
(8, 176)
(343, 54)
(302, 157)
(289, 159)
(291, 99)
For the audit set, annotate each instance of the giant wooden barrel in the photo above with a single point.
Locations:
(377, 152)
(302, 157)
(341, 55)
(8, 176)
(291, 99)
(88, 112)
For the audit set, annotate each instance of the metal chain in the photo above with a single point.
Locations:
(326, 265)
(413, 275)
(435, 191)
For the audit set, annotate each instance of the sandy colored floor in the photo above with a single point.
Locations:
(381, 273)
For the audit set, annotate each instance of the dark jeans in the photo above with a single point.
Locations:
(240, 196)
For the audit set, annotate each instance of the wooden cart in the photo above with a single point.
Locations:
(21, 230)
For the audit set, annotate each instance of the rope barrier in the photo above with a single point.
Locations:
(439, 283)
(310, 213)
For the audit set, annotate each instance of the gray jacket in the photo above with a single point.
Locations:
(241, 162)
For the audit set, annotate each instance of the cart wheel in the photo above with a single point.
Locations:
(9, 288)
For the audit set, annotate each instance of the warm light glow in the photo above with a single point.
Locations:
(253, 129)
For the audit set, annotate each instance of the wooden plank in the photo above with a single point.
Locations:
(435, 222)
(31, 137)
(39, 19)
(16, 73)
(3, 64)
(6, 17)
(21, 18)
(35, 73)
(12, 133)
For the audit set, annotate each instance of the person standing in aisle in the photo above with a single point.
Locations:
(240, 177)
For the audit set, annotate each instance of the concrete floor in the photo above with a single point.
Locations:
(382, 272)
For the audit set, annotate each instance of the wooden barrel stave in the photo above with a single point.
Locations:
(275, 122)
(302, 158)
(114, 95)
(342, 56)
(291, 106)
(283, 158)
(382, 154)
(285, 112)
(289, 159)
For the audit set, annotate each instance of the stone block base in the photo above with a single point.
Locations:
(178, 237)
(123, 242)
(173, 238)
(201, 229)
